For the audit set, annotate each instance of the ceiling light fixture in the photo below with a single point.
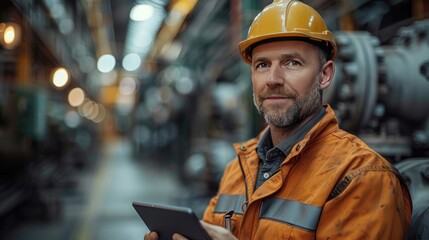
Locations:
(141, 12)
(60, 77)
(131, 62)
(106, 63)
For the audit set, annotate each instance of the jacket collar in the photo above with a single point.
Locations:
(325, 126)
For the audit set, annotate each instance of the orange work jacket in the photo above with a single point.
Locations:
(330, 186)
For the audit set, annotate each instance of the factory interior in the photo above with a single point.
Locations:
(107, 102)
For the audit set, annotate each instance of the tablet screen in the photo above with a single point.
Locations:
(167, 220)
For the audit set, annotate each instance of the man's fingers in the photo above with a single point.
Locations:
(217, 232)
(210, 227)
(151, 236)
(177, 236)
(154, 236)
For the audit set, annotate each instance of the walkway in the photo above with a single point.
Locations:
(100, 208)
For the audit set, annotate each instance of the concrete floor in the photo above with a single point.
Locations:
(100, 208)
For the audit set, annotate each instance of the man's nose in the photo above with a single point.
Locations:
(276, 76)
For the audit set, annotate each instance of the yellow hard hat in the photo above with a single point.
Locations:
(288, 19)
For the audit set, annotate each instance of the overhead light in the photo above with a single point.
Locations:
(94, 111)
(72, 119)
(86, 107)
(127, 86)
(60, 77)
(141, 12)
(101, 114)
(10, 35)
(131, 62)
(184, 85)
(106, 63)
(76, 97)
(145, 22)
(179, 10)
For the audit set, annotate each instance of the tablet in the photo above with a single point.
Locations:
(167, 220)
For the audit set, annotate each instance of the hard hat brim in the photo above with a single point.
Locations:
(246, 46)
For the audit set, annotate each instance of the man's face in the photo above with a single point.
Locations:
(285, 77)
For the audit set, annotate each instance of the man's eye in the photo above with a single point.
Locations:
(293, 63)
(261, 65)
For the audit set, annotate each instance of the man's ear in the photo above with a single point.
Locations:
(327, 74)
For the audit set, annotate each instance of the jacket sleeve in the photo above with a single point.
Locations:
(209, 212)
(373, 205)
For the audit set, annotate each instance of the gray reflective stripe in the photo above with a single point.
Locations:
(227, 203)
(291, 212)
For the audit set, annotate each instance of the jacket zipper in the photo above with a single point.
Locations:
(244, 206)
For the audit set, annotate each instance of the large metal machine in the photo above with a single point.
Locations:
(381, 93)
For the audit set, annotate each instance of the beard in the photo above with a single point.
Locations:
(301, 108)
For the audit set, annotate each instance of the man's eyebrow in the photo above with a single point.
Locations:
(258, 59)
(282, 56)
(291, 55)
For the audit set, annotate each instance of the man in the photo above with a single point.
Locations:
(302, 177)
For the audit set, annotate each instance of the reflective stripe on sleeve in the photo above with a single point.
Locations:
(227, 203)
(295, 213)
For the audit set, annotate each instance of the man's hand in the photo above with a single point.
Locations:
(151, 236)
(218, 233)
(154, 236)
(215, 232)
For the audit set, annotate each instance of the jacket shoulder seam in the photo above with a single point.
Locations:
(342, 185)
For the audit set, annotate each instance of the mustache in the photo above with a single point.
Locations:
(277, 92)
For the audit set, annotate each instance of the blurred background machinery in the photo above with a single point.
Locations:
(166, 76)
(380, 91)
(416, 174)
